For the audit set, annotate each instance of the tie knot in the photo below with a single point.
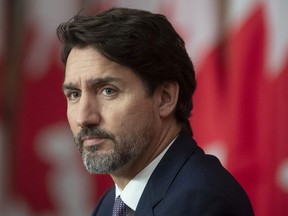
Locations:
(119, 208)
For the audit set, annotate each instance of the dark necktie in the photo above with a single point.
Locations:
(119, 208)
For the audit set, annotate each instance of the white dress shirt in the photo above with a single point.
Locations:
(132, 192)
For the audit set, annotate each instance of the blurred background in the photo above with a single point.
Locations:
(240, 52)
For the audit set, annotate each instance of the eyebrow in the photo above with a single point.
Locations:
(91, 83)
(68, 86)
(100, 81)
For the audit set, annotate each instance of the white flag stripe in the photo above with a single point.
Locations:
(45, 16)
(238, 10)
(200, 22)
(151, 5)
(276, 19)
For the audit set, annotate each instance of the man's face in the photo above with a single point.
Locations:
(112, 118)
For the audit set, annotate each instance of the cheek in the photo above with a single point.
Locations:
(71, 117)
(133, 116)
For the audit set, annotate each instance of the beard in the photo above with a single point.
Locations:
(126, 148)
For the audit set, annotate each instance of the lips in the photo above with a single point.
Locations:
(91, 141)
(92, 137)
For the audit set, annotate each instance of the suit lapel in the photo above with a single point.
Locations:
(165, 172)
(105, 204)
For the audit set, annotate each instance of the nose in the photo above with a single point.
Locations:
(88, 112)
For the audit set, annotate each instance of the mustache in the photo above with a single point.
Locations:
(92, 132)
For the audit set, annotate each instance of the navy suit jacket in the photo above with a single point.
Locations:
(187, 182)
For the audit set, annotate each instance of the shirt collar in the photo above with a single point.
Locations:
(132, 192)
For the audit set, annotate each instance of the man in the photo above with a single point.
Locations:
(129, 84)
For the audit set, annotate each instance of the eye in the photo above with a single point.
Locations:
(108, 91)
(73, 95)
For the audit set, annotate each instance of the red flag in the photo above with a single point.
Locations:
(240, 52)
(241, 106)
(48, 176)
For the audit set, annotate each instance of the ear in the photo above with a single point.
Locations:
(169, 93)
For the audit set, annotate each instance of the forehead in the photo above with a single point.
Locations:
(85, 58)
(84, 54)
(88, 63)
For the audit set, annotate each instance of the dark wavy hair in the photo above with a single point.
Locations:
(145, 42)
